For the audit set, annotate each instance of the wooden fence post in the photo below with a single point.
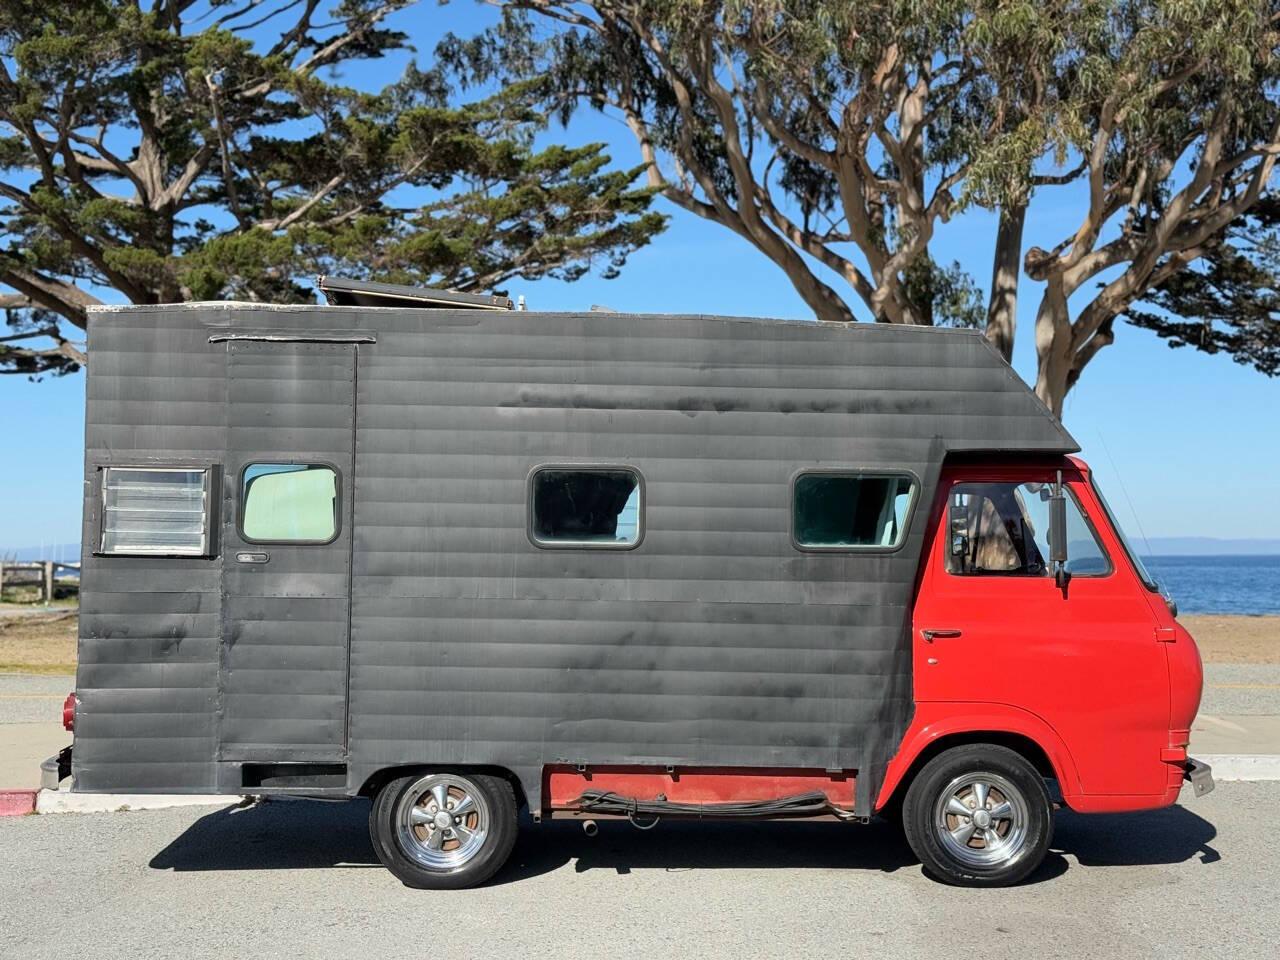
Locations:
(48, 582)
(1, 576)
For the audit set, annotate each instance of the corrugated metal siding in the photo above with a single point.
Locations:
(715, 641)
(149, 628)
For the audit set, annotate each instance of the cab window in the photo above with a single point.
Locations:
(1002, 529)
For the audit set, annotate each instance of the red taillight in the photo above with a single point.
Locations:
(69, 711)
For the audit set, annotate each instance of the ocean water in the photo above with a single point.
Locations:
(1235, 584)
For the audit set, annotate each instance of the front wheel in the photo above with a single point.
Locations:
(444, 830)
(979, 816)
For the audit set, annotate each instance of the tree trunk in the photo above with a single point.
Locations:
(1006, 267)
(1055, 351)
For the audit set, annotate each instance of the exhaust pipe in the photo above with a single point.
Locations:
(589, 828)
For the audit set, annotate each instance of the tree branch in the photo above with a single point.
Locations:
(36, 289)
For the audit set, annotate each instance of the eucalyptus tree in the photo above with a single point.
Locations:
(822, 133)
(191, 149)
(1175, 119)
(839, 138)
(1228, 301)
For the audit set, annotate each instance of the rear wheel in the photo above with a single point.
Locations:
(444, 830)
(979, 816)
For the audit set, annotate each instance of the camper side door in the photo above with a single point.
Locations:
(287, 551)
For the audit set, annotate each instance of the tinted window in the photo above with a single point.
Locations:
(855, 510)
(593, 507)
(289, 503)
(1003, 529)
(155, 511)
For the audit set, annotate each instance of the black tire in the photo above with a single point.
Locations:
(404, 828)
(1004, 845)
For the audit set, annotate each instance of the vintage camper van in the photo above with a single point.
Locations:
(461, 558)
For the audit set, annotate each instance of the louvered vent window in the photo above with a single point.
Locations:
(155, 511)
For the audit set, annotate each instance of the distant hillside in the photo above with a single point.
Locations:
(1206, 546)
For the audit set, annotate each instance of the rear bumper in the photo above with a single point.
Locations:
(56, 769)
(1200, 776)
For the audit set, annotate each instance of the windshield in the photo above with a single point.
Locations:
(1147, 579)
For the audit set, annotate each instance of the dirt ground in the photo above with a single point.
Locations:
(1235, 639)
(38, 643)
(46, 643)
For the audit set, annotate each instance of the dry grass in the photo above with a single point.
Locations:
(46, 643)
(38, 643)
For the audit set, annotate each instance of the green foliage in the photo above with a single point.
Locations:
(949, 294)
(163, 152)
(1229, 301)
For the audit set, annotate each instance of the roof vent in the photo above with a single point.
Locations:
(365, 293)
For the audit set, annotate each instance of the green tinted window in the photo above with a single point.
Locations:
(851, 511)
(289, 503)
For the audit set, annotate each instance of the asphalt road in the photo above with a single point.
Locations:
(1245, 689)
(298, 880)
(25, 698)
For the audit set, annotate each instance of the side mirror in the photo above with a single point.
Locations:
(1058, 532)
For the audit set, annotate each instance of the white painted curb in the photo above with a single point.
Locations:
(63, 801)
(1243, 766)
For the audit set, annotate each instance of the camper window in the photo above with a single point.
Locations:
(834, 511)
(585, 507)
(155, 511)
(289, 503)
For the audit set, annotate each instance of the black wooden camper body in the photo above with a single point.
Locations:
(432, 630)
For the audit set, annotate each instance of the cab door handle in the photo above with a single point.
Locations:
(932, 635)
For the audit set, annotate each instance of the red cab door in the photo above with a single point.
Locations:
(992, 626)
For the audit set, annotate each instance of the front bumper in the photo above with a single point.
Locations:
(1200, 775)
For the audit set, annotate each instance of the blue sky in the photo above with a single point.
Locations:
(1189, 440)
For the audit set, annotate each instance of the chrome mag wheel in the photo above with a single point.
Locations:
(981, 820)
(442, 821)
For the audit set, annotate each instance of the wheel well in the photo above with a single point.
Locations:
(1024, 746)
(378, 780)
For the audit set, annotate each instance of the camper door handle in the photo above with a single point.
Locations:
(252, 557)
(932, 635)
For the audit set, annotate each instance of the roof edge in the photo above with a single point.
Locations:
(195, 305)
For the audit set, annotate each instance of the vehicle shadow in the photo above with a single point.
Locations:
(276, 835)
(1171, 835)
(306, 834)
